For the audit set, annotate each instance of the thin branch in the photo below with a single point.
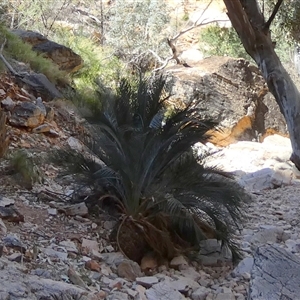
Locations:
(275, 10)
(172, 46)
(156, 56)
(174, 50)
(195, 25)
(205, 9)
(171, 41)
(164, 65)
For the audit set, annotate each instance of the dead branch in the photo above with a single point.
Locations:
(195, 25)
(174, 51)
(171, 41)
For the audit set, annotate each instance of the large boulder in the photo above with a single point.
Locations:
(275, 274)
(64, 57)
(264, 165)
(232, 92)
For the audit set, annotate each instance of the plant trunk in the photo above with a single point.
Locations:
(130, 241)
(254, 33)
(4, 139)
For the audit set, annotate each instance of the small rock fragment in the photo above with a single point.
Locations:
(79, 209)
(200, 294)
(129, 270)
(69, 246)
(13, 241)
(3, 229)
(147, 281)
(17, 257)
(93, 266)
(90, 245)
(179, 262)
(52, 211)
(75, 278)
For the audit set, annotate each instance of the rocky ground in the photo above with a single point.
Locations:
(54, 250)
(56, 254)
(51, 249)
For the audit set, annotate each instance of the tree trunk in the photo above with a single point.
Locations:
(254, 33)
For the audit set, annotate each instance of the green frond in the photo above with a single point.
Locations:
(168, 193)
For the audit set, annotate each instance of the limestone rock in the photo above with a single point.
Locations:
(275, 274)
(200, 293)
(163, 291)
(27, 114)
(40, 84)
(225, 296)
(3, 229)
(89, 245)
(14, 242)
(243, 267)
(212, 251)
(18, 285)
(129, 270)
(8, 103)
(55, 252)
(184, 284)
(269, 234)
(179, 262)
(69, 246)
(147, 281)
(265, 165)
(63, 56)
(232, 92)
(118, 296)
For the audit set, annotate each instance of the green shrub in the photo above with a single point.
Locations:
(24, 168)
(100, 74)
(222, 41)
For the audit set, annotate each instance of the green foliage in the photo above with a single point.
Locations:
(221, 41)
(37, 15)
(100, 73)
(26, 171)
(286, 24)
(17, 49)
(135, 27)
(167, 198)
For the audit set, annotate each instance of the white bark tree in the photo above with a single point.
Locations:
(254, 31)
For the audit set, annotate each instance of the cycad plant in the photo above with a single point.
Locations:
(167, 200)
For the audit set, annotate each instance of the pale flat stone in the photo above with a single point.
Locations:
(69, 246)
(191, 273)
(163, 291)
(200, 294)
(147, 281)
(243, 267)
(225, 296)
(178, 261)
(183, 284)
(90, 245)
(129, 270)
